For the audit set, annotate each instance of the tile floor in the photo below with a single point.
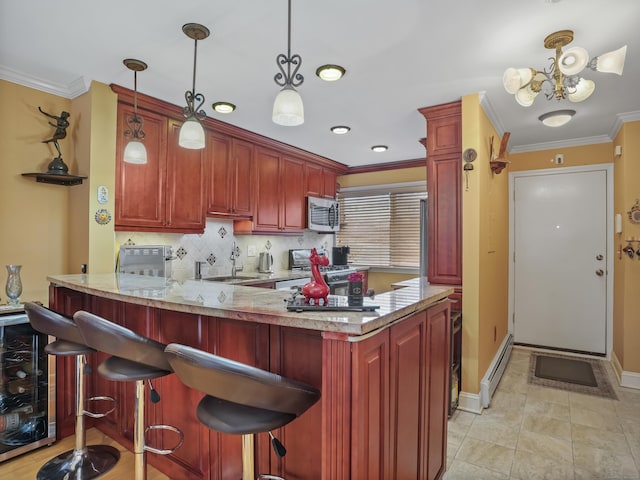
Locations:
(533, 432)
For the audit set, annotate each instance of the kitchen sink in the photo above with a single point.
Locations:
(230, 279)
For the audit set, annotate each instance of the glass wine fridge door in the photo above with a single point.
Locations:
(27, 386)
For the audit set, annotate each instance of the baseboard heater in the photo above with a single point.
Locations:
(490, 381)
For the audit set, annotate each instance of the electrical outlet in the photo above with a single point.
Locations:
(251, 251)
(559, 159)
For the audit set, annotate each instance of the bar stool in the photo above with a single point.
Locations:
(241, 399)
(83, 462)
(134, 358)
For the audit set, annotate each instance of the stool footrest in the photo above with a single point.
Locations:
(97, 399)
(271, 477)
(169, 450)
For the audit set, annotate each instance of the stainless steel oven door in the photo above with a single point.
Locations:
(339, 288)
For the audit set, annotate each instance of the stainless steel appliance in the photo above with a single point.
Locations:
(27, 388)
(323, 214)
(265, 262)
(334, 275)
(153, 260)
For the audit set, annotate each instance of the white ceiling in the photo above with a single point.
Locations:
(400, 55)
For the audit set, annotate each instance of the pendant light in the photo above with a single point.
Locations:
(288, 109)
(191, 133)
(135, 151)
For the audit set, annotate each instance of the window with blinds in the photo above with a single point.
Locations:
(381, 229)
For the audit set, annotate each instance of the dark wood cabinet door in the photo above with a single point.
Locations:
(293, 204)
(185, 182)
(408, 400)
(444, 227)
(314, 180)
(242, 179)
(267, 212)
(329, 179)
(218, 164)
(66, 302)
(140, 189)
(370, 408)
(438, 351)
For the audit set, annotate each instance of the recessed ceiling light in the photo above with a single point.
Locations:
(379, 148)
(557, 118)
(223, 107)
(340, 129)
(330, 73)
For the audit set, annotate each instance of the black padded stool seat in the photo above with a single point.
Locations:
(134, 358)
(240, 399)
(83, 462)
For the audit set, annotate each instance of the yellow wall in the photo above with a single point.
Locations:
(49, 229)
(34, 217)
(485, 249)
(381, 281)
(626, 306)
(573, 156)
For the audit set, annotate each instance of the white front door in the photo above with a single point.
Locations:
(559, 241)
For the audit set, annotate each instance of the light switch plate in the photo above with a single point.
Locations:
(103, 194)
(251, 251)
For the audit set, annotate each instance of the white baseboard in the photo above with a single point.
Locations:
(470, 402)
(625, 379)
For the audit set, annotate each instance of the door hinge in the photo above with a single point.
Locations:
(513, 318)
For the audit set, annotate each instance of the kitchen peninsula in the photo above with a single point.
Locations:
(383, 374)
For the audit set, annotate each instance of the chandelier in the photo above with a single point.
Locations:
(561, 80)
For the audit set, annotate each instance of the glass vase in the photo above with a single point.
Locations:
(14, 285)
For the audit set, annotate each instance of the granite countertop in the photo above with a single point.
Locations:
(242, 302)
(252, 278)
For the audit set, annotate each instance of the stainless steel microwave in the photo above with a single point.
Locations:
(323, 214)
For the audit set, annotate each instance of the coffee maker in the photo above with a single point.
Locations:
(339, 255)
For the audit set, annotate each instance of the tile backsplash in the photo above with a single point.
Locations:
(215, 244)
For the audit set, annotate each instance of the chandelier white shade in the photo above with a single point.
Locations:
(288, 109)
(135, 152)
(191, 135)
(562, 80)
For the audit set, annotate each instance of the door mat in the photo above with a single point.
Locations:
(574, 374)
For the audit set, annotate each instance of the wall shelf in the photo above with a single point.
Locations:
(56, 178)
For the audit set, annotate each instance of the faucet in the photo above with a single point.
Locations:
(235, 253)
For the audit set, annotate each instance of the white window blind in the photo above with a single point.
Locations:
(381, 229)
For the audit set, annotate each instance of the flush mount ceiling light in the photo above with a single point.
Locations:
(330, 73)
(223, 107)
(561, 81)
(135, 151)
(557, 118)
(340, 129)
(379, 148)
(288, 109)
(191, 132)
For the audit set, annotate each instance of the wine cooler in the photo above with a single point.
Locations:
(27, 387)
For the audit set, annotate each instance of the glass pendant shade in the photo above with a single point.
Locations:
(584, 89)
(525, 96)
(191, 135)
(612, 62)
(516, 78)
(288, 109)
(573, 61)
(135, 152)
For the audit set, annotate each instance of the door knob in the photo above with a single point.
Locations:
(599, 272)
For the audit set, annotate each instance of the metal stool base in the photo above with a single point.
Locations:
(91, 462)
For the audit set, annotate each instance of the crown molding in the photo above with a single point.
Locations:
(622, 118)
(70, 91)
(490, 112)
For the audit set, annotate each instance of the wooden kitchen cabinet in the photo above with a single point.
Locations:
(444, 174)
(320, 182)
(279, 195)
(230, 169)
(166, 193)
